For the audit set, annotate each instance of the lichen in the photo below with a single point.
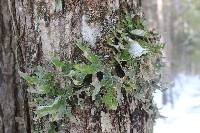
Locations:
(49, 37)
(106, 125)
(125, 78)
(113, 5)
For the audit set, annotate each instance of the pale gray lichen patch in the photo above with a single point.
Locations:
(44, 38)
(58, 5)
(67, 34)
(49, 37)
(106, 125)
(54, 6)
(90, 32)
(113, 4)
(128, 123)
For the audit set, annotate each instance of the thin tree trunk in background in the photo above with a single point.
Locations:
(165, 28)
(160, 15)
(30, 30)
(165, 37)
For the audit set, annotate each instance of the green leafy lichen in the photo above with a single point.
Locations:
(103, 82)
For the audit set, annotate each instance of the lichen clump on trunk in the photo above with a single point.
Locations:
(130, 71)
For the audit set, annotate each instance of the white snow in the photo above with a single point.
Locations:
(184, 117)
(136, 49)
(90, 32)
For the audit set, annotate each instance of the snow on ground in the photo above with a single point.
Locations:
(184, 117)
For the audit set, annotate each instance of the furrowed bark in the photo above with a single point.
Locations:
(13, 118)
(30, 30)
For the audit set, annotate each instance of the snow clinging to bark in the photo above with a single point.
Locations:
(135, 49)
(89, 32)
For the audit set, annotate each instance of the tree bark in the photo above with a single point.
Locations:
(30, 30)
(13, 110)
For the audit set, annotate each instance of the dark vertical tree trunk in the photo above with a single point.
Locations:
(30, 30)
(13, 112)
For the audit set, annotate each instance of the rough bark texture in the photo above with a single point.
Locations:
(13, 110)
(29, 30)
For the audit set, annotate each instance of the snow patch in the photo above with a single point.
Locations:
(136, 49)
(185, 115)
(90, 32)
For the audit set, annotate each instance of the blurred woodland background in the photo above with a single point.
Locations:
(178, 24)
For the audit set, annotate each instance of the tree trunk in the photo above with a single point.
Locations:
(30, 30)
(13, 108)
